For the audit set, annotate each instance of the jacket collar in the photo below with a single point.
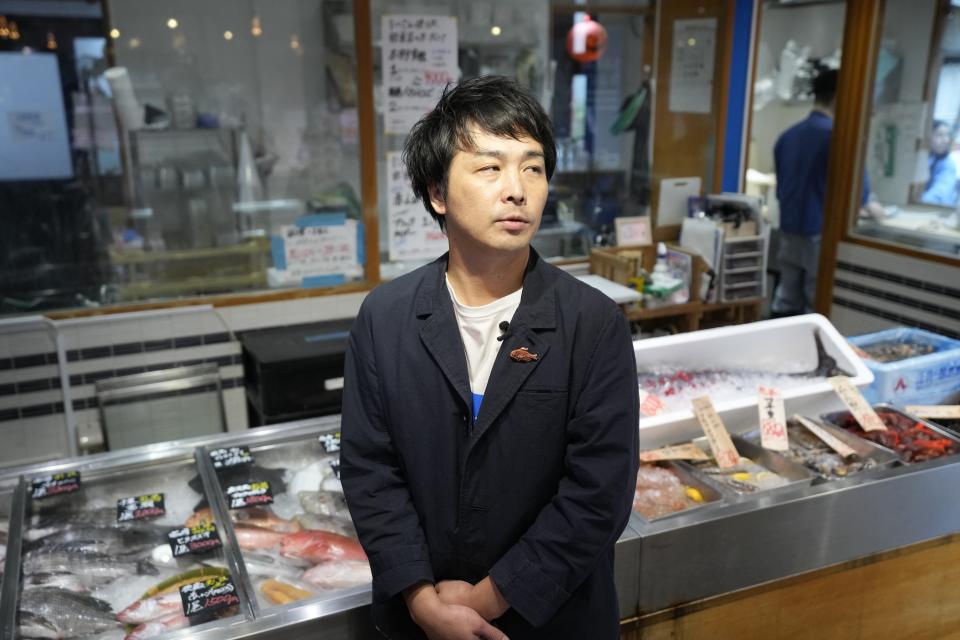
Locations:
(538, 306)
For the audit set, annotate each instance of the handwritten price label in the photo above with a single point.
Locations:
(773, 420)
(947, 411)
(843, 449)
(687, 451)
(650, 405)
(140, 507)
(857, 404)
(211, 594)
(720, 443)
(56, 484)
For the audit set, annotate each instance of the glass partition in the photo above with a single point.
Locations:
(912, 152)
(161, 150)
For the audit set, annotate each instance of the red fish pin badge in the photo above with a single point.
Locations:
(522, 355)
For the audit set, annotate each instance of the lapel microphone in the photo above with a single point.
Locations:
(504, 327)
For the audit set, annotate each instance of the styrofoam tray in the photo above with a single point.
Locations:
(784, 345)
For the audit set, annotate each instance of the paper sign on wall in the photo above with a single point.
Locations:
(691, 68)
(419, 58)
(413, 233)
(319, 246)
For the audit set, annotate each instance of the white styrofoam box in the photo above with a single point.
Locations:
(784, 345)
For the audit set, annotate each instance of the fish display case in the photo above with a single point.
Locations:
(269, 497)
(888, 492)
(98, 553)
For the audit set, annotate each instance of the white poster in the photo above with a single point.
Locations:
(419, 58)
(691, 68)
(33, 124)
(413, 233)
(320, 250)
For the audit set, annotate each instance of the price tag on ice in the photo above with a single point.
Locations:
(943, 411)
(687, 451)
(208, 595)
(842, 448)
(720, 443)
(230, 457)
(194, 540)
(857, 404)
(140, 507)
(650, 405)
(773, 420)
(249, 494)
(55, 484)
(330, 442)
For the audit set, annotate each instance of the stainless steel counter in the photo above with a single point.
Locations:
(709, 551)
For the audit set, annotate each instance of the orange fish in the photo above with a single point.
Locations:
(321, 546)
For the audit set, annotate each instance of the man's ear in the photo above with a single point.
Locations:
(437, 200)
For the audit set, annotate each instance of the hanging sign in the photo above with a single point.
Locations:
(412, 232)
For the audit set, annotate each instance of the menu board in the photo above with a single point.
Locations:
(419, 58)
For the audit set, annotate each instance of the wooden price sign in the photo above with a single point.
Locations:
(720, 443)
(857, 404)
(942, 411)
(687, 451)
(773, 420)
(843, 449)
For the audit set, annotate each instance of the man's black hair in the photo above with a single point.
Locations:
(825, 86)
(494, 104)
(939, 123)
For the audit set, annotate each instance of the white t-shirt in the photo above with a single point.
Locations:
(479, 329)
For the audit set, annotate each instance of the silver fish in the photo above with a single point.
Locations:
(72, 614)
(60, 579)
(30, 625)
(339, 575)
(321, 503)
(111, 539)
(338, 524)
(92, 568)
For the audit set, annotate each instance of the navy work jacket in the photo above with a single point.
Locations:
(534, 493)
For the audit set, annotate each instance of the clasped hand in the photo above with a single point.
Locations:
(457, 610)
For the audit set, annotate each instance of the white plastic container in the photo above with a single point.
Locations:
(784, 345)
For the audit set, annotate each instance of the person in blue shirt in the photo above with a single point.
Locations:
(941, 187)
(801, 155)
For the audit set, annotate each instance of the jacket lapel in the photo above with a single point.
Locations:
(440, 333)
(536, 313)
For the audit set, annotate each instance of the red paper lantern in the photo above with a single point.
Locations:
(586, 40)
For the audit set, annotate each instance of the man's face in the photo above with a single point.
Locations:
(940, 140)
(495, 194)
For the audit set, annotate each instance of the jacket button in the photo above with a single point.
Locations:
(463, 417)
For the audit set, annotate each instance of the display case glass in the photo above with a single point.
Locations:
(121, 552)
(291, 522)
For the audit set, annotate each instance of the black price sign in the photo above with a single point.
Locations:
(230, 457)
(330, 442)
(250, 494)
(55, 484)
(335, 465)
(140, 507)
(194, 540)
(207, 596)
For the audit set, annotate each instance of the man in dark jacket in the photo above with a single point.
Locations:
(490, 409)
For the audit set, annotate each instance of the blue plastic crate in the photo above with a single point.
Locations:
(933, 378)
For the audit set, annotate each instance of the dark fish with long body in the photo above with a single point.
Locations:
(71, 614)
